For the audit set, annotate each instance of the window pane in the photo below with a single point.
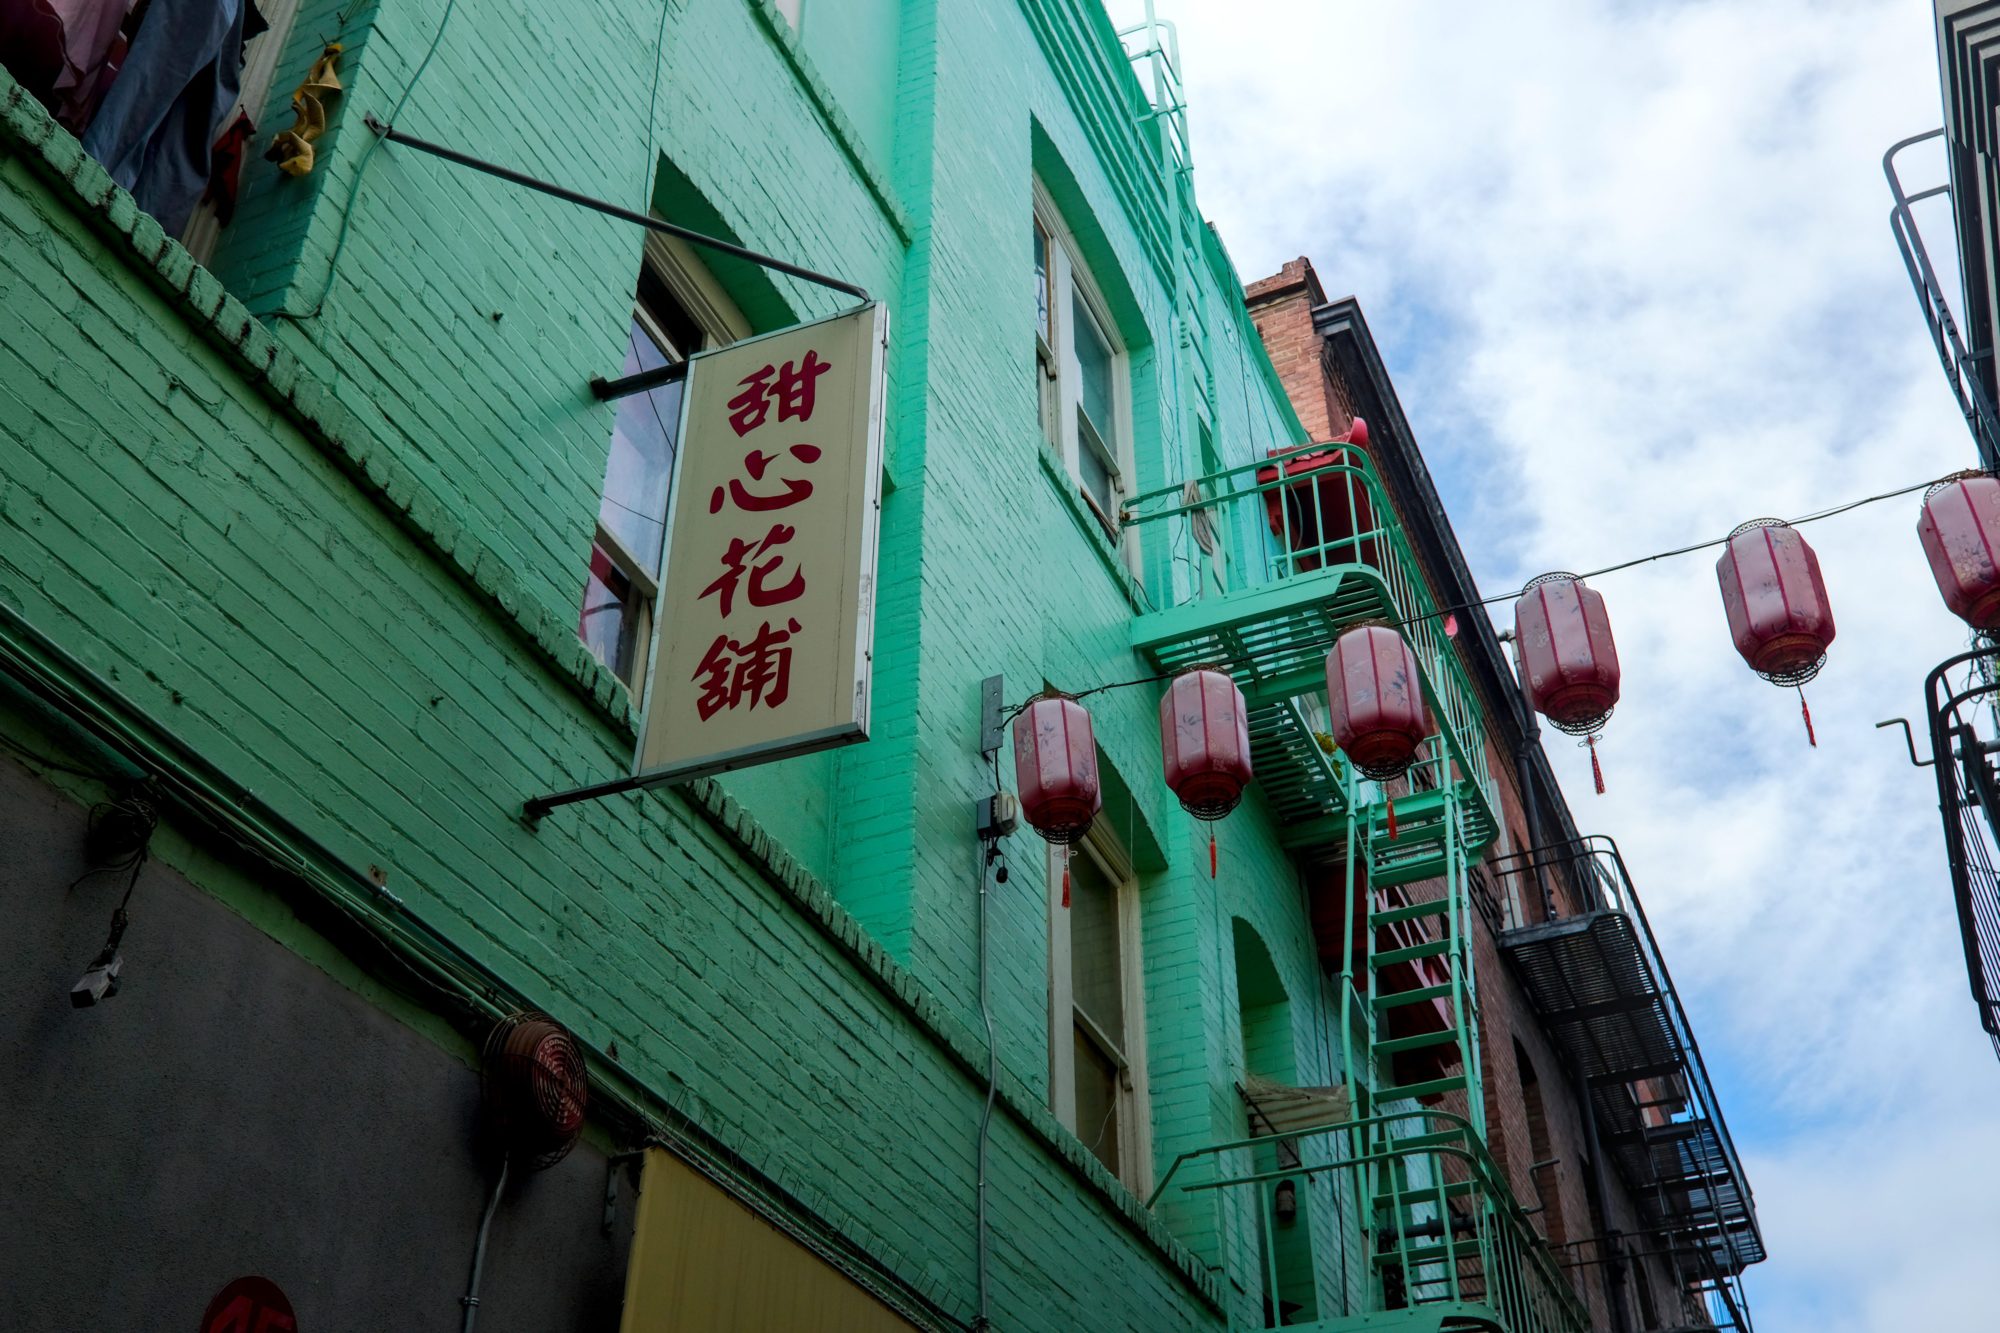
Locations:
(1092, 469)
(1042, 284)
(1096, 979)
(641, 465)
(609, 623)
(1097, 1101)
(1093, 356)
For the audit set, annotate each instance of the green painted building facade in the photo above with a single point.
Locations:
(293, 545)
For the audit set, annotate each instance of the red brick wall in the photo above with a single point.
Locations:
(1281, 308)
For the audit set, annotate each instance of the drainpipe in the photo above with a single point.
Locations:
(1613, 1270)
(1524, 773)
(994, 818)
(987, 854)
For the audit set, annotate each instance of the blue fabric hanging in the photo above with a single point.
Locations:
(156, 124)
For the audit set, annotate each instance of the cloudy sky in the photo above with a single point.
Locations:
(1630, 267)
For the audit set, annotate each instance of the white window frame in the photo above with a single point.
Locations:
(674, 262)
(1069, 277)
(1135, 1121)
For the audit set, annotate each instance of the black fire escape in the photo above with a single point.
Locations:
(1963, 698)
(1588, 961)
(1959, 694)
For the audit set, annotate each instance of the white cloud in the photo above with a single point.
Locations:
(1631, 267)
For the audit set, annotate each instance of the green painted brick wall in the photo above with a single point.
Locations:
(165, 521)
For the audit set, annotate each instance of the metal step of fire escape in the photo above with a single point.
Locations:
(1418, 971)
(1418, 1034)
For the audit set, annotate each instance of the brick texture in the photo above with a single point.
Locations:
(340, 554)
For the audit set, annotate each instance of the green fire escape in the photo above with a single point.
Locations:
(1268, 564)
(1257, 570)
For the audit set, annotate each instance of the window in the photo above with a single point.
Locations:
(1047, 377)
(1082, 385)
(677, 311)
(1097, 1074)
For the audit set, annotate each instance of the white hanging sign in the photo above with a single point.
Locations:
(765, 621)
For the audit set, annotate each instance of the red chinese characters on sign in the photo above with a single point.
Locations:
(762, 644)
(755, 463)
(793, 386)
(755, 668)
(734, 671)
(736, 565)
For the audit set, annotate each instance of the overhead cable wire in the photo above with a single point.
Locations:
(1815, 516)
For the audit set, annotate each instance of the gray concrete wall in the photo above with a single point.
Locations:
(234, 1110)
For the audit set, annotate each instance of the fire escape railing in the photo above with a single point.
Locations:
(1447, 1234)
(1264, 535)
(1961, 366)
(1969, 803)
(1593, 970)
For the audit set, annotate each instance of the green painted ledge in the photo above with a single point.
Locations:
(1093, 532)
(197, 296)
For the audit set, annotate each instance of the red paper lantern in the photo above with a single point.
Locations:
(1374, 691)
(1960, 530)
(1776, 601)
(1205, 742)
(1055, 768)
(1318, 515)
(1567, 654)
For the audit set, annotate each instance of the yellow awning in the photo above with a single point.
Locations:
(704, 1263)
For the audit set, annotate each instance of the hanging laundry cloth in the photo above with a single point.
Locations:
(59, 50)
(156, 124)
(225, 177)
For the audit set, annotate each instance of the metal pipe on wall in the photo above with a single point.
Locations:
(987, 853)
(471, 1298)
(1531, 736)
(1614, 1272)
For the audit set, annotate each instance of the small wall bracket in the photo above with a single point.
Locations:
(992, 709)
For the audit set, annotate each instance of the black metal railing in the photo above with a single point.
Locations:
(1969, 802)
(1962, 367)
(1594, 972)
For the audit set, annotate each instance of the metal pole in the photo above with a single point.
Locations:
(1525, 775)
(537, 807)
(603, 389)
(394, 135)
(470, 1301)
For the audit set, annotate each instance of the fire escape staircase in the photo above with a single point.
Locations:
(1448, 1247)
(1256, 571)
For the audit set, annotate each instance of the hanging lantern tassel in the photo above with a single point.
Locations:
(1806, 713)
(1390, 797)
(1065, 882)
(1211, 851)
(1596, 770)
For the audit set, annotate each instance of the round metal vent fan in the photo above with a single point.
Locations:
(534, 1088)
